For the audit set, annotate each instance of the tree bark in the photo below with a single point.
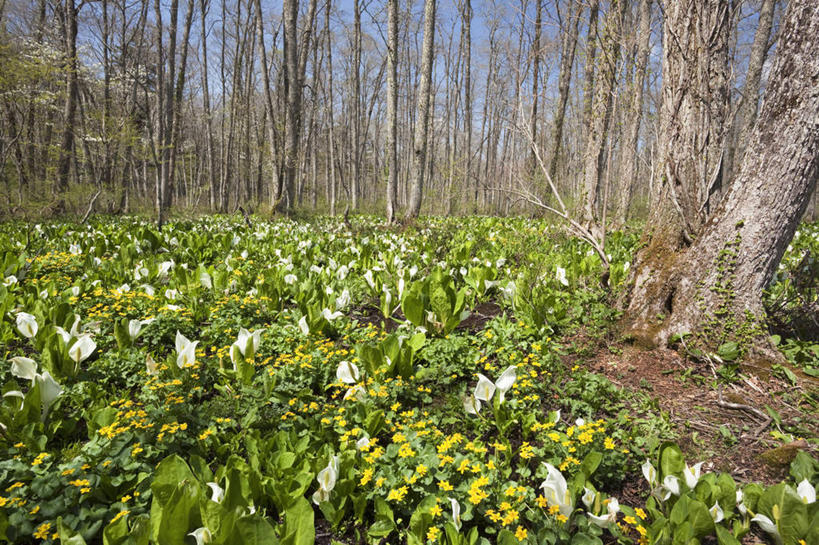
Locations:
(713, 289)
(598, 128)
(71, 97)
(568, 49)
(392, 110)
(628, 178)
(293, 113)
(591, 54)
(421, 139)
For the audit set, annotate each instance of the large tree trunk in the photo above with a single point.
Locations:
(422, 117)
(713, 288)
(693, 115)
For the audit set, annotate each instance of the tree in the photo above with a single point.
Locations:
(568, 49)
(421, 140)
(628, 178)
(72, 92)
(713, 287)
(392, 109)
(598, 128)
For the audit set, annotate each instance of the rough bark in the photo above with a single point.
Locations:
(422, 116)
(591, 54)
(598, 128)
(293, 113)
(628, 178)
(568, 49)
(713, 288)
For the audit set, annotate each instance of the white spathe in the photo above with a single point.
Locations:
(82, 349)
(485, 389)
(22, 367)
(806, 491)
(505, 381)
(556, 491)
(27, 324)
(347, 372)
(692, 474)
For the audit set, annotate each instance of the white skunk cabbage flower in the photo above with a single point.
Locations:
(217, 492)
(27, 324)
(612, 508)
(347, 372)
(485, 389)
(556, 491)
(327, 481)
(692, 474)
(806, 492)
(456, 513)
(82, 348)
(185, 351)
(202, 536)
(505, 381)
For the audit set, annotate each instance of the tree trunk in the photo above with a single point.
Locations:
(392, 110)
(422, 117)
(713, 289)
(71, 96)
(293, 113)
(598, 128)
(591, 54)
(628, 178)
(568, 49)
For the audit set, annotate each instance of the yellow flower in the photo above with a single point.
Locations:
(119, 516)
(562, 518)
(367, 477)
(85, 490)
(435, 510)
(630, 520)
(554, 509)
(433, 534)
(397, 494)
(35, 510)
(521, 533)
(421, 469)
(445, 486)
(609, 443)
(641, 529)
(42, 530)
(640, 513)
(541, 502)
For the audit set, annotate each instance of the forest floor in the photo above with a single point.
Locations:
(736, 428)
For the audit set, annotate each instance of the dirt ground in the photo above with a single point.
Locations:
(728, 427)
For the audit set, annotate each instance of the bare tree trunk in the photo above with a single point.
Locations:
(467, 44)
(598, 129)
(536, 68)
(293, 113)
(392, 110)
(714, 288)
(591, 60)
(71, 97)
(421, 140)
(356, 103)
(331, 139)
(628, 178)
(568, 49)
